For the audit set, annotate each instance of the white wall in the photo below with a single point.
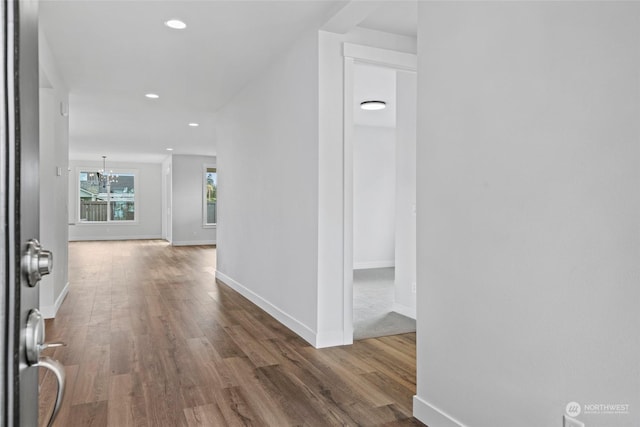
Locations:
(374, 196)
(148, 188)
(268, 189)
(187, 198)
(54, 148)
(528, 207)
(405, 202)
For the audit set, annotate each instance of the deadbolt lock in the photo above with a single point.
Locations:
(37, 262)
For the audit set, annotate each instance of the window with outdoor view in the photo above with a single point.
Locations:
(210, 196)
(107, 197)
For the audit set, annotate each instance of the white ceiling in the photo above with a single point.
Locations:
(110, 53)
(397, 17)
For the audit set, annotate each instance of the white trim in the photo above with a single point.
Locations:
(347, 204)
(386, 57)
(295, 325)
(404, 310)
(112, 237)
(332, 339)
(432, 416)
(374, 264)
(114, 222)
(50, 311)
(193, 242)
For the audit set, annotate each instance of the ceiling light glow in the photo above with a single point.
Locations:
(169, 149)
(373, 105)
(194, 125)
(152, 95)
(175, 24)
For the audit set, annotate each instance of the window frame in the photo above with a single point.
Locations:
(205, 170)
(119, 171)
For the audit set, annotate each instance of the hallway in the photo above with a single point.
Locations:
(154, 340)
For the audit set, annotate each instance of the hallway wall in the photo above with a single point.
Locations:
(528, 207)
(268, 189)
(54, 161)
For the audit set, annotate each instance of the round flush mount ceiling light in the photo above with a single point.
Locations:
(169, 149)
(152, 95)
(175, 24)
(194, 125)
(373, 105)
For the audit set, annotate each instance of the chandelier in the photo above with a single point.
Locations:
(106, 178)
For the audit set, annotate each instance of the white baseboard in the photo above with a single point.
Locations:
(50, 311)
(331, 339)
(193, 242)
(404, 310)
(432, 416)
(295, 325)
(112, 237)
(373, 264)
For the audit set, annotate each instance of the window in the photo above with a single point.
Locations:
(106, 197)
(210, 196)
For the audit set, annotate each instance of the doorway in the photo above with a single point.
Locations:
(379, 191)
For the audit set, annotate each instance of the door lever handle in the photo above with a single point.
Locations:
(52, 344)
(34, 344)
(58, 370)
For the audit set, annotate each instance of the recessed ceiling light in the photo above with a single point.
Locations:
(373, 105)
(152, 95)
(194, 125)
(175, 24)
(169, 149)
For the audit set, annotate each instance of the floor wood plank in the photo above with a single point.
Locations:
(154, 340)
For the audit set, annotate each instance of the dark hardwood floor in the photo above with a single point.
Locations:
(154, 340)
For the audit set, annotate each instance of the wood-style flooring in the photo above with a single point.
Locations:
(154, 340)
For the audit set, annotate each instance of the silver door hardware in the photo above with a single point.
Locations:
(34, 345)
(58, 370)
(35, 337)
(37, 262)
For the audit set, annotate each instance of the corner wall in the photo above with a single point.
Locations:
(528, 207)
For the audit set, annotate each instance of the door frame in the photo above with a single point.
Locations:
(5, 309)
(353, 53)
